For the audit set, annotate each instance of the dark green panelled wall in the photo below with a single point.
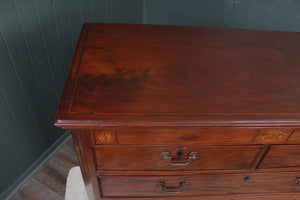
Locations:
(37, 39)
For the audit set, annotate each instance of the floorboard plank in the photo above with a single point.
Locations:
(50, 182)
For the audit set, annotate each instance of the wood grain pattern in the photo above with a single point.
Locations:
(203, 136)
(83, 141)
(149, 157)
(201, 185)
(141, 98)
(277, 196)
(280, 156)
(170, 73)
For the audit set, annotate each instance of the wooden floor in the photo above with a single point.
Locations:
(50, 182)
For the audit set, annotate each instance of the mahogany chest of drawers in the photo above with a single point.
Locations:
(174, 112)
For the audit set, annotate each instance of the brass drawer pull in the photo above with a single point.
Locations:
(173, 189)
(298, 180)
(172, 161)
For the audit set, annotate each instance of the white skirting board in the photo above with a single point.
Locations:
(75, 189)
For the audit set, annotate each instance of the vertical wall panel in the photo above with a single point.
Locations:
(12, 136)
(37, 40)
(134, 12)
(9, 171)
(107, 10)
(86, 11)
(267, 15)
(119, 13)
(223, 10)
(22, 65)
(159, 12)
(75, 18)
(50, 39)
(37, 51)
(253, 14)
(210, 14)
(13, 93)
(250, 14)
(294, 19)
(96, 10)
(60, 12)
(238, 13)
(282, 14)
(2, 184)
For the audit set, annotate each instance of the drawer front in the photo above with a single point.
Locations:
(175, 158)
(229, 184)
(281, 156)
(276, 196)
(194, 136)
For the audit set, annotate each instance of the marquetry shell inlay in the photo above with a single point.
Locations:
(273, 136)
(105, 137)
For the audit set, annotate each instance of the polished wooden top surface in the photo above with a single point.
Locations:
(157, 75)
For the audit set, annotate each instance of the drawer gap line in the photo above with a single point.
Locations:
(259, 157)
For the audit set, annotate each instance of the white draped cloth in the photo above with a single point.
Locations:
(75, 189)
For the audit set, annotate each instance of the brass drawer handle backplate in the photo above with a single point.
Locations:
(173, 189)
(298, 180)
(172, 161)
